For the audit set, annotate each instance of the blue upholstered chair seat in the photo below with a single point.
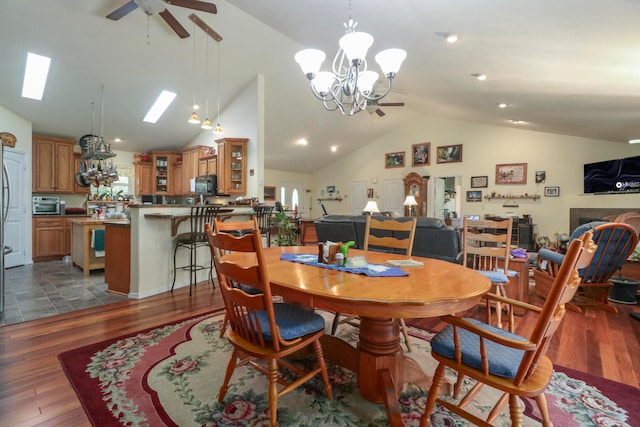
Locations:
(293, 321)
(503, 361)
(494, 276)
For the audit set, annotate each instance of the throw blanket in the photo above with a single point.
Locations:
(374, 270)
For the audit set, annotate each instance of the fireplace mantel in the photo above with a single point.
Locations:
(578, 216)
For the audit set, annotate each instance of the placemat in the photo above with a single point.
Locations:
(373, 270)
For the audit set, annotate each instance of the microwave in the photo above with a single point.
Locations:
(45, 205)
(206, 185)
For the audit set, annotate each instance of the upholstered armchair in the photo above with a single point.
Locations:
(616, 241)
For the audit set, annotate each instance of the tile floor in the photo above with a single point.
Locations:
(47, 288)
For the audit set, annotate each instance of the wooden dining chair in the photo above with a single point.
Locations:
(385, 235)
(514, 364)
(261, 330)
(485, 248)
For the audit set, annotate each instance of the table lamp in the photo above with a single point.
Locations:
(411, 202)
(371, 208)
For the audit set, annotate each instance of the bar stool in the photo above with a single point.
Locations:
(192, 240)
(263, 215)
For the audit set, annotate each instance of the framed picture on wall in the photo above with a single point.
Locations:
(552, 191)
(420, 154)
(269, 193)
(479, 181)
(449, 153)
(394, 160)
(474, 196)
(514, 173)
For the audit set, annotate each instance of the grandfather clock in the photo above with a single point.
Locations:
(416, 186)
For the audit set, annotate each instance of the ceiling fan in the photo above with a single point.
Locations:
(374, 107)
(151, 7)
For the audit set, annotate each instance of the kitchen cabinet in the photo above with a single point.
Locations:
(53, 165)
(143, 182)
(208, 166)
(177, 179)
(51, 239)
(193, 165)
(232, 165)
(161, 176)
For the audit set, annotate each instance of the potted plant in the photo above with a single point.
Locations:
(286, 230)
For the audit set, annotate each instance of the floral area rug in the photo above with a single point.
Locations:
(170, 375)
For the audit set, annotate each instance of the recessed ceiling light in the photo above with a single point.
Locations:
(451, 38)
(517, 122)
(35, 76)
(117, 140)
(502, 105)
(158, 108)
(634, 141)
(302, 141)
(196, 107)
(334, 148)
(479, 76)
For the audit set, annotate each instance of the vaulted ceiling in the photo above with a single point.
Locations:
(568, 67)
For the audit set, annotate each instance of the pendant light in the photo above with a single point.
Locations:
(194, 119)
(218, 129)
(207, 123)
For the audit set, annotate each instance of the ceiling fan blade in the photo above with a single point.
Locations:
(391, 104)
(122, 11)
(174, 24)
(380, 112)
(195, 5)
(206, 28)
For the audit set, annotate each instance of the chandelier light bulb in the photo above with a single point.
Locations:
(322, 82)
(310, 60)
(355, 45)
(390, 60)
(366, 81)
(194, 119)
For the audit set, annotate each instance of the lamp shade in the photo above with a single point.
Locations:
(390, 60)
(356, 44)
(410, 201)
(366, 81)
(322, 82)
(194, 118)
(371, 207)
(310, 60)
(206, 124)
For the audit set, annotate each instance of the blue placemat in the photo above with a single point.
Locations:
(374, 270)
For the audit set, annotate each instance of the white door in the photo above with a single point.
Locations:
(358, 196)
(17, 232)
(393, 196)
(293, 194)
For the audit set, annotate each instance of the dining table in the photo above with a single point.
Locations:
(433, 289)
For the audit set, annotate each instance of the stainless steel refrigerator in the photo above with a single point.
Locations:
(8, 140)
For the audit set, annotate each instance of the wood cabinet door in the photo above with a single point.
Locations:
(202, 167)
(177, 180)
(53, 165)
(232, 165)
(48, 237)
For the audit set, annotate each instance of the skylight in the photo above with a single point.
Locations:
(35, 76)
(158, 108)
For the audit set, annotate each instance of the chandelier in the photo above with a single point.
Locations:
(350, 87)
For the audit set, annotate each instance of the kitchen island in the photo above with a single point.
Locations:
(153, 242)
(87, 243)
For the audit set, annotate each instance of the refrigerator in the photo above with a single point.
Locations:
(8, 140)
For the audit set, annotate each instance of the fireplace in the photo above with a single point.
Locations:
(579, 216)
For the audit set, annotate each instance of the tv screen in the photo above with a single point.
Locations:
(613, 176)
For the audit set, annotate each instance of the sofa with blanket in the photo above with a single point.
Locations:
(433, 239)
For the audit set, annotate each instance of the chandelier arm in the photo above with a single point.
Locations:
(326, 99)
(385, 93)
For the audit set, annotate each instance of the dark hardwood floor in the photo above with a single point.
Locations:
(34, 390)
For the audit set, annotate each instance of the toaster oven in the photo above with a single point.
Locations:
(45, 205)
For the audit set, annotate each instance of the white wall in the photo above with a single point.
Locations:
(562, 157)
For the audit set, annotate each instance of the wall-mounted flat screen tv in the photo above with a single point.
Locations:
(613, 176)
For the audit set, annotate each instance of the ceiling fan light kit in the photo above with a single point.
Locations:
(349, 88)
